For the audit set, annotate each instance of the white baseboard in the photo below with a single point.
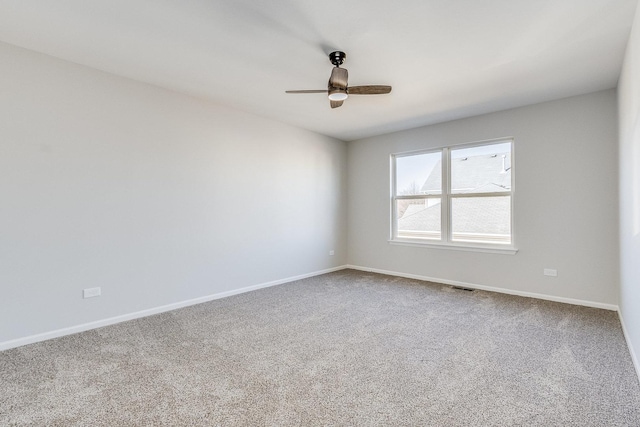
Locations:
(151, 311)
(573, 301)
(634, 357)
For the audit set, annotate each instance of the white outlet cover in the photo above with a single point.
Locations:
(91, 292)
(550, 272)
(331, 253)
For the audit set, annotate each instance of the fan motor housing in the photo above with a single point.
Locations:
(337, 58)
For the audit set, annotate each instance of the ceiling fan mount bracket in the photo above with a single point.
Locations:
(337, 58)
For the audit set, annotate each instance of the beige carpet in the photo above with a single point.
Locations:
(342, 349)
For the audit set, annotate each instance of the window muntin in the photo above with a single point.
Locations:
(458, 195)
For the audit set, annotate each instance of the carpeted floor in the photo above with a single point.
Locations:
(342, 349)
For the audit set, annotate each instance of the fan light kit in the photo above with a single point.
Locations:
(338, 89)
(338, 95)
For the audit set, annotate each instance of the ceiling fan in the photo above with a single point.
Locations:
(338, 89)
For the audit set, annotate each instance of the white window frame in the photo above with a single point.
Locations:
(446, 197)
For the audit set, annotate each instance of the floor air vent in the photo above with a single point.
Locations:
(460, 288)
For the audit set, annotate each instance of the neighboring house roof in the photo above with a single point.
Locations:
(420, 218)
(491, 215)
(470, 173)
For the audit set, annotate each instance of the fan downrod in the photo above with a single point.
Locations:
(337, 58)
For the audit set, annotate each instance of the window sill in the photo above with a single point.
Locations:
(454, 247)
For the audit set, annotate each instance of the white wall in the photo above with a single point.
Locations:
(152, 195)
(565, 201)
(629, 131)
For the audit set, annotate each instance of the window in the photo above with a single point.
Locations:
(455, 196)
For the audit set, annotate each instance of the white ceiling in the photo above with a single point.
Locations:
(445, 59)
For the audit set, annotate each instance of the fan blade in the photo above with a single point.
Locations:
(307, 91)
(335, 104)
(339, 78)
(369, 90)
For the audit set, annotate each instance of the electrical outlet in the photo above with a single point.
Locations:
(332, 253)
(91, 292)
(550, 272)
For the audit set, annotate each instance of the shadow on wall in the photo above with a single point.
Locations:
(635, 153)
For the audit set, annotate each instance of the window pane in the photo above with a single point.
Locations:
(419, 218)
(419, 174)
(481, 219)
(483, 169)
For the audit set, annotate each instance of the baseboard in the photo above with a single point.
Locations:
(634, 357)
(573, 301)
(151, 311)
(161, 309)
